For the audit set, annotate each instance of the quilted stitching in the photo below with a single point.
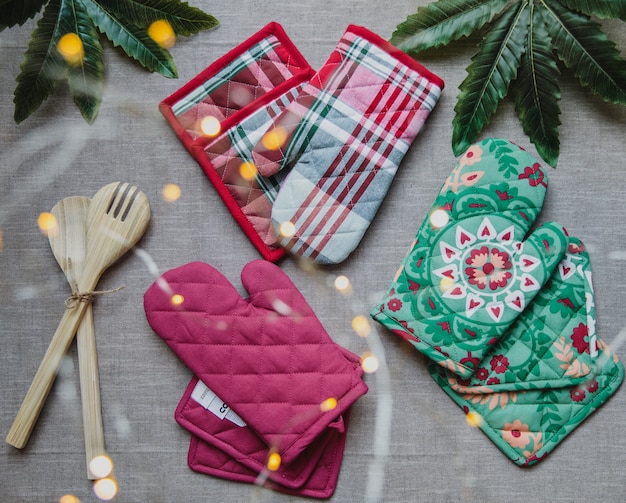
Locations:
(552, 342)
(267, 356)
(244, 90)
(472, 268)
(313, 473)
(528, 425)
(347, 132)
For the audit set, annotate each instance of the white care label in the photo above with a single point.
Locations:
(214, 404)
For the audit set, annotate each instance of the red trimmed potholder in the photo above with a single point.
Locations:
(223, 112)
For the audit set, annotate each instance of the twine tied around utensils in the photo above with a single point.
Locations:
(76, 298)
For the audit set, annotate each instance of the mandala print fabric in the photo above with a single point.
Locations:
(473, 268)
(541, 369)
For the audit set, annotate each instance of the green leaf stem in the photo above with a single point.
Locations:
(537, 91)
(441, 22)
(134, 40)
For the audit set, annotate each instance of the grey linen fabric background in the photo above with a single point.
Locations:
(434, 456)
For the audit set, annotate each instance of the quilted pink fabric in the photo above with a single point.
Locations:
(267, 356)
(230, 451)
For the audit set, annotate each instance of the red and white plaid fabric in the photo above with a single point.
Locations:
(345, 135)
(223, 112)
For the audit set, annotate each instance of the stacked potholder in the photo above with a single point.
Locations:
(506, 316)
(308, 155)
(272, 392)
(224, 111)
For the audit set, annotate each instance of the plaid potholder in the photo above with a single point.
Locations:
(345, 135)
(223, 112)
(267, 356)
(473, 267)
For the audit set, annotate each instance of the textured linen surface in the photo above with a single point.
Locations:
(434, 456)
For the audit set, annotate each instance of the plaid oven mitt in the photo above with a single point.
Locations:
(221, 113)
(343, 138)
(270, 364)
(547, 374)
(473, 267)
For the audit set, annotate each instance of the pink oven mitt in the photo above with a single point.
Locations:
(267, 356)
(221, 113)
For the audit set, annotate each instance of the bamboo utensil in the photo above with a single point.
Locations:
(69, 246)
(117, 218)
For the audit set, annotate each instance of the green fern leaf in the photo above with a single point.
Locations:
(443, 21)
(184, 19)
(85, 79)
(133, 40)
(14, 12)
(537, 91)
(42, 67)
(585, 48)
(600, 8)
(489, 75)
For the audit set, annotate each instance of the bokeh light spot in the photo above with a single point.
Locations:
(287, 230)
(162, 33)
(171, 192)
(68, 498)
(274, 139)
(445, 284)
(70, 46)
(105, 489)
(177, 299)
(101, 466)
(248, 170)
(439, 218)
(474, 419)
(210, 126)
(369, 363)
(328, 404)
(361, 325)
(48, 223)
(342, 283)
(273, 462)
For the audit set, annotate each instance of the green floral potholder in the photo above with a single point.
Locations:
(473, 267)
(508, 321)
(547, 373)
(551, 344)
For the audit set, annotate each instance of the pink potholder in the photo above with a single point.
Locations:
(267, 356)
(231, 450)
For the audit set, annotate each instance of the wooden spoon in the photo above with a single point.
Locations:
(69, 245)
(117, 218)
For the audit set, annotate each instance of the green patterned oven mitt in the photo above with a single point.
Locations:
(473, 267)
(540, 369)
